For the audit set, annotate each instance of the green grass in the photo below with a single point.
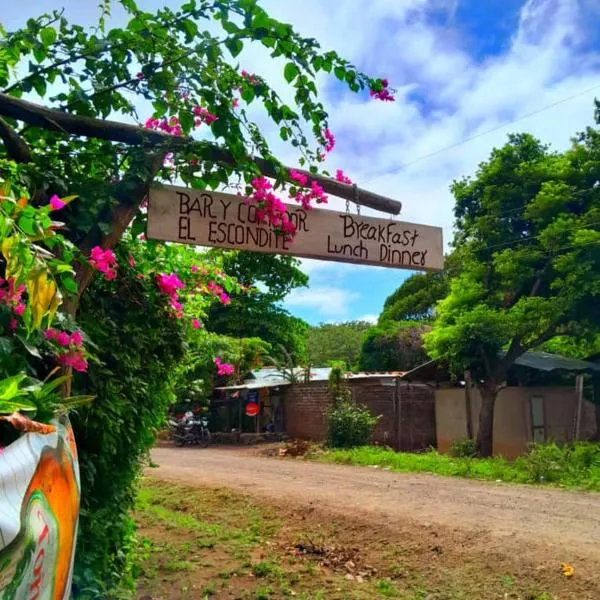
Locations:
(571, 466)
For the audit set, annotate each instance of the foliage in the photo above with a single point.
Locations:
(574, 465)
(464, 448)
(167, 59)
(132, 377)
(416, 298)
(527, 242)
(349, 425)
(393, 346)
(195, 374)
(337, 384)
(329, 342)
(255, 312)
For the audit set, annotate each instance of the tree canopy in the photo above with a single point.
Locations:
(416, 298)
(330, 342)
(528, 244)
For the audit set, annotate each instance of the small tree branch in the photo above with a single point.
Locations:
(55, 120)
(15, 146)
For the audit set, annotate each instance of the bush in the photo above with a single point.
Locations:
(349, 425)
(465, 448)
(138, 348)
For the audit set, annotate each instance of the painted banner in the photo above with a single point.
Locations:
(39, 507)
(206, 218)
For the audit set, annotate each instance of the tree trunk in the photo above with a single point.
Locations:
(485, 433)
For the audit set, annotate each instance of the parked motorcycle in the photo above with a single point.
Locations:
(190, 431)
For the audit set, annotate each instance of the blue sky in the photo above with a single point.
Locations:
(461, 68)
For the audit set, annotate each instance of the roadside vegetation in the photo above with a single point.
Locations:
(201, 543)
(570, 466)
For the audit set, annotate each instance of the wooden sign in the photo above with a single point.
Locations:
(206, 218)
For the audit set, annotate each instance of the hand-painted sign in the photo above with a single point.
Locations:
(207, 218)
(252, 396)
(39, 508)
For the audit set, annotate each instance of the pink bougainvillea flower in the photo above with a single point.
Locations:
(384, 93)
(142, 236)
(223, 368)
(51, 333)
(341, 177)
(63, 339)
(298, 177)
(76, 338)
(104, 261)
(330, 140)
(235, 102)
(131, 261)
(12, 325)
(56, 203)
(196, 324)
(194, 269)
(169, 284)
(225, 299)
(19, 309)
(74, 359)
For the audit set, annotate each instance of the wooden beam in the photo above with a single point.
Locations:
(62, 122)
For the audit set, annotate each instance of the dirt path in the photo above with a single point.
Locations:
(559, 521)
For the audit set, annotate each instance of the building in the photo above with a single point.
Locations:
(297, 405)
(547, 397)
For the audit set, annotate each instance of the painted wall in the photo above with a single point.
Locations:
(512, 420)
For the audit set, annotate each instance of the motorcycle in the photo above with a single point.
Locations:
(190, 431)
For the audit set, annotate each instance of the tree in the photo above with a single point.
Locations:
(254, 312)
(416, 298)
(329, 342)
(393, 346)
(528, 245)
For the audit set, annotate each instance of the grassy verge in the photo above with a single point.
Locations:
(575, 466)
(206, 543)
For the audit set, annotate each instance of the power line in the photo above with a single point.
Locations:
(481, 134)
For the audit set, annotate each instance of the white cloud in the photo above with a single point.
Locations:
(368, 318)
(329, 302)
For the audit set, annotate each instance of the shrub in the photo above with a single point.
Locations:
(349, 425)
(138, 348)
(465, 448)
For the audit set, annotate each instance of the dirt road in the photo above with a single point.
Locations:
(558, 522)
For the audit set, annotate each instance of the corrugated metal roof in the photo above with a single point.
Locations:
(540, 361)
(272, 377)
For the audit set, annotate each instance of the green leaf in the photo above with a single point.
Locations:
(234, 46)
(26, 224)
(10, 387)
(10, 406)
(48, 36)
(248, 94)
(340, 73)
(290, 72)
(39, 85)
(39, 52)
(136, 25)
(69, 284)
(186, 120)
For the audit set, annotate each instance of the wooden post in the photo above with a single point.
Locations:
(468, 407)
(398, 416)
(579, 401)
